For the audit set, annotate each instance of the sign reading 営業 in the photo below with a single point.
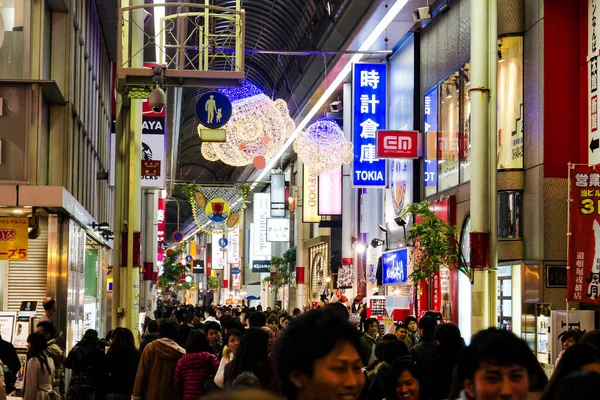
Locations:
(583, 273)
(14, 241)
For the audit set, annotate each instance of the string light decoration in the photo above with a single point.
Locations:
(257, 129)
(323, 147)
(217, 209)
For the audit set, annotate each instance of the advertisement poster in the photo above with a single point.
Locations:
(583, 258)
(21, 333)
(7, 325)
(582, 320)
(14, 241)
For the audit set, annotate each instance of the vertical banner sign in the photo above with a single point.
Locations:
(431, 127)
(162, 234)
(218, 255)
(153, 147)
(262, 210)
(310, 197)
(14, 240)
(233, 249)
(277, 195)
(369, 107)
(330, 192)
(593, 134)
(583, 273)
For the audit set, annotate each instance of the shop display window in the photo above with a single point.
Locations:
(509, 215)
(447, 138)
(510, 103)
(465, 124)
(14, 39)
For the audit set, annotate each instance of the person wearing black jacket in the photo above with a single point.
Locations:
(9, 357)
(85, 359)
(120, 366)
(424, 349)
(440, 366)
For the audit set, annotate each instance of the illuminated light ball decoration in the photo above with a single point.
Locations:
(257, 129)
(217, 209)
(323, 147)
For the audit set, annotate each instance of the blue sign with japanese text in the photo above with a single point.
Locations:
(369, 108)
(394, 266)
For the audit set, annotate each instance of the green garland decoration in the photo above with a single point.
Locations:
(172, 268)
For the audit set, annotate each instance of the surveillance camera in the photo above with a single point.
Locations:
(157, 99)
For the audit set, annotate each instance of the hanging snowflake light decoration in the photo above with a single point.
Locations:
(257, 129)
(323, 147)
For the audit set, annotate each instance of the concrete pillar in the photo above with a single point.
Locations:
(301, 234)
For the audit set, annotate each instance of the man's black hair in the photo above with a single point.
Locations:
(338, 308)
(153, 327)
(447, 333)
(49, 304)
(393, 350)
(232, 324)
(157, 314)
(188, 318)
(257, 319)
(498, 347)
(368, 322)
(576, 335)
(211, 325)
(400, 326)
(48, 328)
(168, 329)
(211, 312)
(310, 337)
(427, 324)
(592, 337)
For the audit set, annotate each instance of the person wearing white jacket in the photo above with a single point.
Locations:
(233, 341)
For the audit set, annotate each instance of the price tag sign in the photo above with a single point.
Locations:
(14, 241)
(388, 322)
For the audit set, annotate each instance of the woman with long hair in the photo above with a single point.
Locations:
(85, 360)
(120, 366)
(232, 343)
(252, 356)
(39, 369)
(404, 380)
(195, 367)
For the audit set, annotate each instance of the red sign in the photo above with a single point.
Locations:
(150, 167)
(162, 224)
(583, 259)
(397, 144)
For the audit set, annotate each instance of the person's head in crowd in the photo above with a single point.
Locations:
(157, 314)
(339, 309)
(579, 357)
(578, 385)
(227, 311)
(213, 332)
(448, 335)
(371, 327)
(281, 318)
(244, 316)
(258, 308)
(168, 329)
(210, 312)
(401, 332)
(219, 313)
(427, 327)
(195, 320)
(570, 338)
(271, 335)
(188, 318)
(122, 341)
(591, 337)
(257, 319)
(497, 365)
(232, 324)
(392, 350)
(197, 342)
(234, 337)
(272, 322)
(318, 356)
(153, 327)
(296, 312)
(246, 380)
(36, 344)
(403, 380)
(49, 305)
(47, 329)
(179, 315)
(411, 324)
(285, 322)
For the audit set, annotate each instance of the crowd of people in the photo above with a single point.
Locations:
(190, 353)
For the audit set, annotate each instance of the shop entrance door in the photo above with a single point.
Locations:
(505, 298)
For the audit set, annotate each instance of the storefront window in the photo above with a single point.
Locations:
(14, 39)
(509, 215)
(510, 103)
(447, 139)
(431, 128)
(90, 305)
(465, 124)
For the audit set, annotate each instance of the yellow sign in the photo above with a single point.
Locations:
(310, 197)
(388, 322)
(14, 241)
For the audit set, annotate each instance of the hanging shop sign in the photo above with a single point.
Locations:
(261, 266)
(395, 266)
(330, 192)
(198, 267)
(218, 256)
(233, 250)
(398, 144)
(236, 279)
(593, 134)
(369, 97)
(261, 208)
(583, 271)
(213, 110)
(277, 195)
(14, 242)
(278, 229)
(310, 197)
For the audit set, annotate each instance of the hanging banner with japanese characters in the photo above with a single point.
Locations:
(369, 97)
(592, 56)
(583, 273)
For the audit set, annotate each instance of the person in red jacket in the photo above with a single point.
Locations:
(195, 366)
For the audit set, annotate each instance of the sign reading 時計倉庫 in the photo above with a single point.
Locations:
(14, 240)
(369, 97)
(583, 275)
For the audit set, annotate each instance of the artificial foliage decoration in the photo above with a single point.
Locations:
(217, 209)
(172, 268)
(322, 146)
(284, 266)
(212, 282)
(257, 129)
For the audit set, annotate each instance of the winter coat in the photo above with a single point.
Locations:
(191, 372)
(220, 375)
(9, 357)
(85, 360)
(38, 380)
(439, 370)
(367, 343)
(155, 378)
(119, 371)
(422, 351)
(58, 357)
(148, 338)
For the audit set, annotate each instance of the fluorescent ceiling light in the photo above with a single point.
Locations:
(385, 21)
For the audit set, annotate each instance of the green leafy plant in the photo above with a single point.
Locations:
(284, 267)
(212, 282)
(172, 269)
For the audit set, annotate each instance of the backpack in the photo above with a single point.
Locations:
(10, 379)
